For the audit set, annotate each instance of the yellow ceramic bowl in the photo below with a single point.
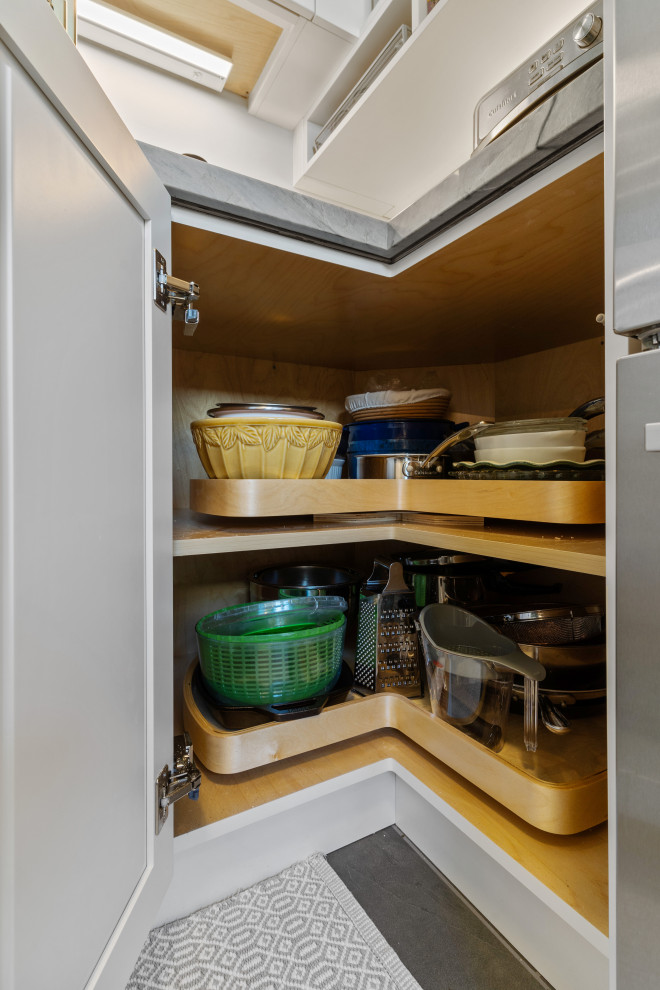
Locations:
(260, 447)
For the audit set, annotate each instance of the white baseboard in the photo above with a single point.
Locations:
(214, 862)
(569, 952)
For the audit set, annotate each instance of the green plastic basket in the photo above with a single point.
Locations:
(272, 652)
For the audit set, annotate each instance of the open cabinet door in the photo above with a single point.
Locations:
(85, 522)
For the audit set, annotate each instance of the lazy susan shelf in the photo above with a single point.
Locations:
(562, 788)
(570, 548)
(566, 502)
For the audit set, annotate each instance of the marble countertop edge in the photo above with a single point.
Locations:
(560, 123)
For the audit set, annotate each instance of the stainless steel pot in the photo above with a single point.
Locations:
(451, 578)
(558, 708)
(410, 465)
(393, 467)
(465, 579)
(577, 667)
(547, 624)
(575, 681)
(574, 685)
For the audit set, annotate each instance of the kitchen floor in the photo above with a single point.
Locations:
(444, 942)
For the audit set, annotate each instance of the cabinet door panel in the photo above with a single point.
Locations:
(86, 614)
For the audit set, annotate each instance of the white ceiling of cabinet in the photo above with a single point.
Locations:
(469, 302)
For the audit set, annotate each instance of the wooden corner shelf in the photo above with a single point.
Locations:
(561, 789)
(574, 867)
(564, 502)
(570, 548)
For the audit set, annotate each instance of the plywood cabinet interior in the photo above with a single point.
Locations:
(281, 327)
(503, 317)
(527, 280)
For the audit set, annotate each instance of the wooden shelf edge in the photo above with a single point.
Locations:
(561, 809)
(569, 549)
(574, 867)
(560, 502)
(584, 556)
(194, 534)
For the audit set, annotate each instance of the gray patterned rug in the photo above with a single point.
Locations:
(300, 930)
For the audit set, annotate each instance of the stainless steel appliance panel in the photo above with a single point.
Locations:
(561, 58)
(637, 166)
(638, 675)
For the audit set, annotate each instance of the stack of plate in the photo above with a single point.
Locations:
(414, 403)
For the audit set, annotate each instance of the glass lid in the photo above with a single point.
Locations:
(534, 426)
(263, 409)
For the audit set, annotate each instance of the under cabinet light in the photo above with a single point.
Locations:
(109, 28)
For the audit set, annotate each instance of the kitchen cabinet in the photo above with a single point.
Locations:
(413, 126)
(85, 526)
(288, 326)
(104, 544)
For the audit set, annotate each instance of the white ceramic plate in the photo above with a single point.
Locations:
(394, 398)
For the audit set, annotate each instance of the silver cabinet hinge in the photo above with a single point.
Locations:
(180, 293)
(183, 780)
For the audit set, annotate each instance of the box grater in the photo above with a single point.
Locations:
(387, 654)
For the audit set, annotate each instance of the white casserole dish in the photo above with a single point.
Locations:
(549, 438)
(536, 455)
(531, 433)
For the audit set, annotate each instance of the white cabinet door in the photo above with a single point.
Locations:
(85, 528)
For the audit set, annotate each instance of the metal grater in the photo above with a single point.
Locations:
(387, 655)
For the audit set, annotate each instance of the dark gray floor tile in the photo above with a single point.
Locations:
(444, 943)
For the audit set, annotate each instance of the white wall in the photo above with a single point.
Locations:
(182, 117)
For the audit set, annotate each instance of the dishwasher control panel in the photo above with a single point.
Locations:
(559, 60)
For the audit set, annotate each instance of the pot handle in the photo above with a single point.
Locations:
(389, 573)
(380, 571)
(464, 434)
(589, 409)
